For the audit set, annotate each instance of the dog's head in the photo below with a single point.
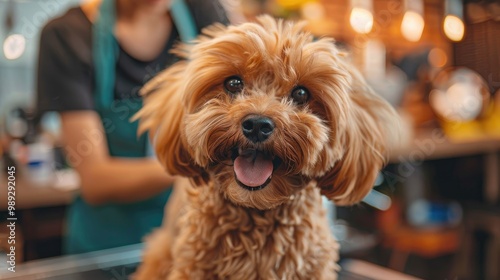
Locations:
(262, 110)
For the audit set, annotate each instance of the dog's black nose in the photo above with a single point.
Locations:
(257, 128)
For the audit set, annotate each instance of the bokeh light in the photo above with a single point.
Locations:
(412, 26)
(453, 28)
(361, 20)
(14, 46)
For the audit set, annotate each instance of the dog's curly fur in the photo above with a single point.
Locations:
(333, 144)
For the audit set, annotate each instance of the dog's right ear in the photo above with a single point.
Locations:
(162, 115)
(372, 129)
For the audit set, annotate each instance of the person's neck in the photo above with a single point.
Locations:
(133, 12)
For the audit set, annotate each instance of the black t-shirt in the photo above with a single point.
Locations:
(65, 66)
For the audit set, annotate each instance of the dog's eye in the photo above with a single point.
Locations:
(233, 84)
(300, 95)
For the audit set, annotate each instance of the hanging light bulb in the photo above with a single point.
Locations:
(413, 23)
(454, 28)
(361, 18)
(412, 26)
(453, 24)
(14, 44)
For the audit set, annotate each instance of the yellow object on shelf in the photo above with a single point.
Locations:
(458, 131)
(491, 124)
(292, 4)
(491, 121)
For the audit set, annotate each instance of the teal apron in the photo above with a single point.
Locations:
(111, 225)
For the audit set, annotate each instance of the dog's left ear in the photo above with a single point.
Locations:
(372, 127)
(162, 115)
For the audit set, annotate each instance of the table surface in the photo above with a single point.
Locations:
(115, 263)
(119, 263)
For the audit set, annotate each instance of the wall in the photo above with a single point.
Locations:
(17, 77)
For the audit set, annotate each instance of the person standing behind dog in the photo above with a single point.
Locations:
(92, 62)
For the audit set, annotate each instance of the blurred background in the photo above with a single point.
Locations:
(434, 212)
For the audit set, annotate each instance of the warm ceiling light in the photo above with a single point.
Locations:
(454, 28)
(14, 46)
(361, 20)
(412, 26)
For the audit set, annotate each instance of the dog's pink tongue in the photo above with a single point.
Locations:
(253, 171)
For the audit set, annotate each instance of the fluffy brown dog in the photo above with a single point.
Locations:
(263, 120)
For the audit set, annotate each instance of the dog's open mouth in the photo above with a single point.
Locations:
(253, 169)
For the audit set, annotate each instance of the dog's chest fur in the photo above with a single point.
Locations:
(219, 240)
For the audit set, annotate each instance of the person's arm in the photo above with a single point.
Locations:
(105, 178)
